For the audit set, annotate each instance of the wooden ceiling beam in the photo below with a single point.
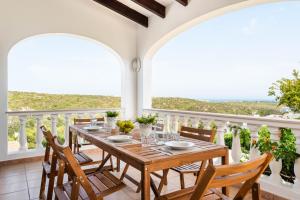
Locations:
(125, 11)
(183, 2)
(152, 6)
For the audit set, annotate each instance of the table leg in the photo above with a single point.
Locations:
(225, 161)
(145, 186)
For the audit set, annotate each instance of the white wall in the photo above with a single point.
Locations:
(178, 19)
(20, 19)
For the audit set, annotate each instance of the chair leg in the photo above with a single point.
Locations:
(138, 188)
(50, 187)
(182, 185)
(43, 185)
(256, 191)
(124, 171)
(112, 164)
(164, 180)
(118, 165)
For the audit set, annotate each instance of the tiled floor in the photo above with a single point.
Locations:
(22, 182)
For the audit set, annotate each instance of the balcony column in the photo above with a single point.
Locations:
(166, 123)
(22, 134)
(54, 124)
(297, 162)
(275, 166)
(195, 122)
(67, 124)
(236, 150)
(206, 124)
(254, 151)
(175, 124)
(39, 134)
(185, 121)
(221, 130)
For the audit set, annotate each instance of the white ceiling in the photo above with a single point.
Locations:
(142, 10)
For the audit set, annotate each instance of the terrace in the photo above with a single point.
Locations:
(134, 38)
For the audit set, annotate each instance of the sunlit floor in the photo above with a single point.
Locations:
(22, 181)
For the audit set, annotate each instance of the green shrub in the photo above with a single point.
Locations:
(228, 139)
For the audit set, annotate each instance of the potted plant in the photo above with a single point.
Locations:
(111, 118)
(266, 145)
(145, 124)
(285, 153)
(125, 126)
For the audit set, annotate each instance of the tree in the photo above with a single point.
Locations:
(287, 92)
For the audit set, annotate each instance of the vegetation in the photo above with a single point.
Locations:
(287, 92)
(150, 119)
(125, 126)
(239, 108)
(38, 101)
(112, 114)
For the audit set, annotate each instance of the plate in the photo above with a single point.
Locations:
(179, 145)
(92, 128)
(119, 138)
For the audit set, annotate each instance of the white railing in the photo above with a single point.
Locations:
(274, 183)
(20, 149)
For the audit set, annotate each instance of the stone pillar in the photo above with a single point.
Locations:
(254, 151)
(167, 123)
(39, 134)
(67, 124)
(54, 124)
(236, 150)
(22, 134)
(275, 165)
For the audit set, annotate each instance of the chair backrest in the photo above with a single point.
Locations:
(67, 159)
(68, 163)
(198, 133)
(227, 175)
(78, 121)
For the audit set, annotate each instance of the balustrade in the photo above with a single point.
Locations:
(274, 182)
(48, 117)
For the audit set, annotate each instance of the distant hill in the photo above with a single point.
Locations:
(242, 108)
(41, 101)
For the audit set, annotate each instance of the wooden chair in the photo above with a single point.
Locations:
(199, 134)
(93, 186)
(223, 176)
(49, 165)
(82, 121)
(76, 145)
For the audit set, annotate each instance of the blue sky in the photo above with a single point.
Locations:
(234, 56)
(64, 65)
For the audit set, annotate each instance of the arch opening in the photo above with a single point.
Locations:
(234, 70)
(60, 72)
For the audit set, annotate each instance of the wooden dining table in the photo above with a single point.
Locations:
(149, 158)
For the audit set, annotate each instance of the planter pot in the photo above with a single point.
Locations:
(275, 167)
(297, 173)
(111, 122)
(145, 131)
